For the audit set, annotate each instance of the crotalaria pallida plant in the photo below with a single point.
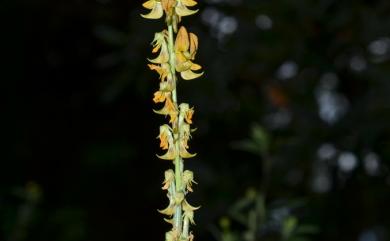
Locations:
(175, 49)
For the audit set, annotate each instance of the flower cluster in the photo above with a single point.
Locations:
(174, 10)
(175, 50)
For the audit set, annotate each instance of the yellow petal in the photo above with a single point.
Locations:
(180, 57)
(189, 115)
(159, 96)
(186, 113)
(189, 3)
(163, 57)
(182, 43)
(168, 5)
(170, 105)
(167, 211)
(165, 4)
(196, 67)
(188, 75)
(173, 117)
(155, 49)
(156, 13)
(183, 66)
(169, 179)
(188, 207)
(162, 111)
(166, 138)
(149, 4)
(188, 179)
(157, 68)
(184, 153)
(165, 71)
(170, 221)
(169, 155)
(164, 142)
(158, 40)
(189, 211)
(161, 70)
(185, 132)
(182, 63)
(183, 11)
(193, 44)
(168, 109)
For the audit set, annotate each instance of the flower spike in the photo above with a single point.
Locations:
(174, 51)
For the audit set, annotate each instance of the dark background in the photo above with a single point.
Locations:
(294, 105)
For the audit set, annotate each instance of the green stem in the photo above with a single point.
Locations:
(178, 161)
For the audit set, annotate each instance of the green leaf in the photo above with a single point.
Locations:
(260, 138)
(289, 225)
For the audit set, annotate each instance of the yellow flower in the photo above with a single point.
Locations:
(169, 179)
(159, 96)
(170, 210)
(155, 7)
(186, 46)
(176, 199)
(168, 109)
(159, 43)
(166, 142)
(163, 57)
(189, 115)
(158, 40)
(188, 179)
(189, 211)
(163, 70)
(186, 112)
(163, 93)
(182, 10)
(185, 135)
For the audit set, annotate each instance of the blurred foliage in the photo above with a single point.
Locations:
(78, 122)
(259, 221)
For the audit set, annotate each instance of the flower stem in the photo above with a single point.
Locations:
(178, 161)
